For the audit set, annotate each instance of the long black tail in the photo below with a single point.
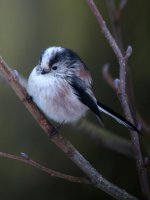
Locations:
(117, 117)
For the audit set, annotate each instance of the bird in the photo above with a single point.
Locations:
(61, 86)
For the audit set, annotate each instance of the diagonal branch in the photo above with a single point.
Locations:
(26, 159)
(95, 178)
(122, 60)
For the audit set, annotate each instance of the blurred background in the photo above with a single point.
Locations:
(28, 27)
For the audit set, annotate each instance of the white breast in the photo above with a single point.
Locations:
(55, 97)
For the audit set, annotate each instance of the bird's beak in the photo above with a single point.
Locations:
(43, 71)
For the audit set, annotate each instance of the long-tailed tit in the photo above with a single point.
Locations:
(61, 86)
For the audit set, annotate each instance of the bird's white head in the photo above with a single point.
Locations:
(58, 61)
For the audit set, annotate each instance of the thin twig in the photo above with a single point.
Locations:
(108, 77)
(95, 178)
(115, 15)
(144, 125)
(112, 83)
(115, 18)
(50, 172)
(125, 73)
(124, 99)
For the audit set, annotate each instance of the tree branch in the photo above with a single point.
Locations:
(95, 178)
(108, 78)
(122, 60)
(115, 86)
(115, 18)
(26, 159)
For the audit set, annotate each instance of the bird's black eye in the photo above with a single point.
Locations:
(54, 67)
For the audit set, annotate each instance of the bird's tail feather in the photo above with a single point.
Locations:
(117, 117)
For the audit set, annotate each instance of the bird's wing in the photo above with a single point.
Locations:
(83, 94)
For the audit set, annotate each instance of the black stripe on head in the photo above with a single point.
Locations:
(67, 56)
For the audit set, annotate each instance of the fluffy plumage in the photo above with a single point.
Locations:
(61, 86)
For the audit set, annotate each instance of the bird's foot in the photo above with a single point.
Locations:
(55, 130)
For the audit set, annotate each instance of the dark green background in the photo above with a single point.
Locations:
(27, 27)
